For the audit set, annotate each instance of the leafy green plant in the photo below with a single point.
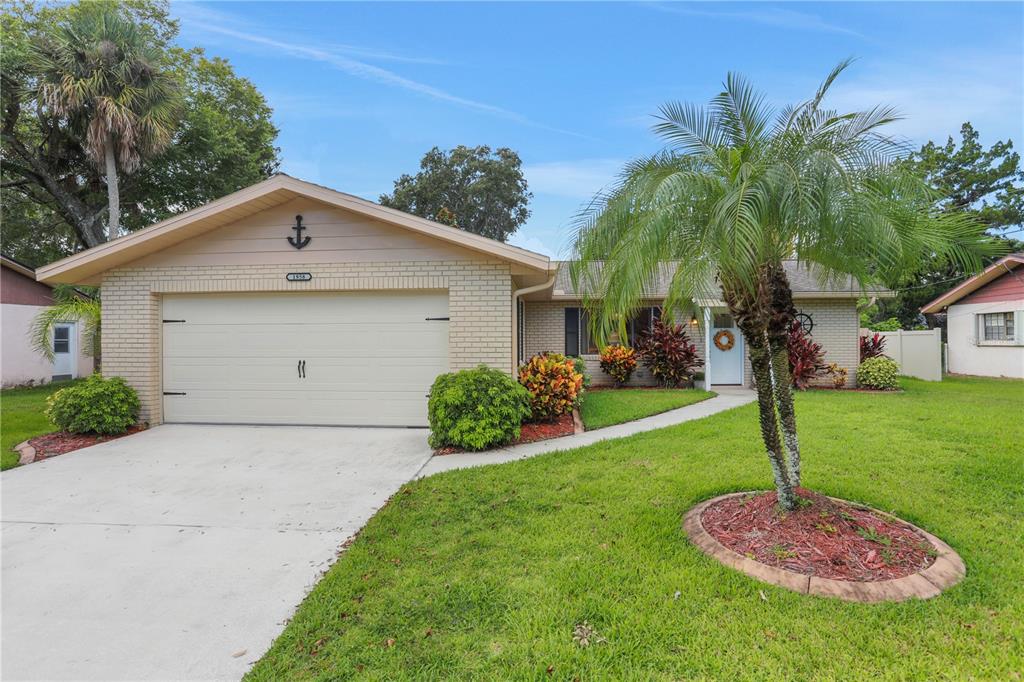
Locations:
(667, 352)
(880, 373)
(554, 384)
(476, 409)
(581, 367)
(873, 535)
(781, 552)
(95, 405)
(618, 362)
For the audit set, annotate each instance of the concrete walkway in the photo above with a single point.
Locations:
(728, 397)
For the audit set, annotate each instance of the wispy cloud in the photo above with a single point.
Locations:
(579, 179)
(934, 101)
(769, 16)
(360, 69)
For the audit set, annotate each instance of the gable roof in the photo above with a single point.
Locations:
(17, 266)
(991, 273)
(86, 265)
(802, 281)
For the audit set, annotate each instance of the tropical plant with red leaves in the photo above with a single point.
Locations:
(667, 353)
(806, 358)
(554, 384)
(872, 347)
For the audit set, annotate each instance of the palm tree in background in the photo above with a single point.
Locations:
(739, 190)
(70, 304)
(105, 76)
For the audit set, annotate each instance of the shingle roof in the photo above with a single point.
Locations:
(801, 279)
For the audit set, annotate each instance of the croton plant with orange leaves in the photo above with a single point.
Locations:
(554, 384)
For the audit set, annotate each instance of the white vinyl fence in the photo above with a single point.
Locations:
(919, 354)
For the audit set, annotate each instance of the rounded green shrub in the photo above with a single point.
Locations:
(475, 409)
(95, 405)
(880, 373)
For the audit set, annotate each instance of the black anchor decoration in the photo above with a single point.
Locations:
(298, 241)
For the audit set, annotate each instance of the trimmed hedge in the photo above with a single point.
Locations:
(880, 373)
(95, 405)
(475, 409)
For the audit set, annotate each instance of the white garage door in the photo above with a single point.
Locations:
(355, 359)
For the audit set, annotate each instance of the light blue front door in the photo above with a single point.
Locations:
(726, 365)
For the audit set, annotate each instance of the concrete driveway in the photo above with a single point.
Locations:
(179, 552)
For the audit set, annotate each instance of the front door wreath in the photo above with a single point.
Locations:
(724, 340)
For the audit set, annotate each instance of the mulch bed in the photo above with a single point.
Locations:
(529, 433)
(605, 387)
(59, 443)
(823, 537)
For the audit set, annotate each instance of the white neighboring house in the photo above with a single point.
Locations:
(21, 299)
(985, 321)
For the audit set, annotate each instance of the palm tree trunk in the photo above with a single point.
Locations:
(113, 192)
(783, 388)
(760, 362)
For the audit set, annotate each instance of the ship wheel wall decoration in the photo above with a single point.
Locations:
(805, 322)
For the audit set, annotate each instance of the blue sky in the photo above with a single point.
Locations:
(361, 91)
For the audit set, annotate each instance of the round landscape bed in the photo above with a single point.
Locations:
(826, 547)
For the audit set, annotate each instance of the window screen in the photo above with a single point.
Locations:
(998, 326)
(61, 340)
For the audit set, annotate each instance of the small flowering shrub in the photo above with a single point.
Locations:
(95, 405)
(475, 409)
(872, 347)
(618, 362)
(839, 375)
(667, 352)
(554, 384)
(581, 367)
(806, 358)
(880, 373)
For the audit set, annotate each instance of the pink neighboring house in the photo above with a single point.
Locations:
(985, 321)
(21, 299)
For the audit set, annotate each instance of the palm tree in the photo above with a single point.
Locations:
(105, 76)
(740, 189)
(69, 305)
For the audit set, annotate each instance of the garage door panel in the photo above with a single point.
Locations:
(370, 357)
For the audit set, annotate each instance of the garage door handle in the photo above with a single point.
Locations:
(303, 369)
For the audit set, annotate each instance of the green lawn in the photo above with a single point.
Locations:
(21, 417)
(483, 573)
(604, 408)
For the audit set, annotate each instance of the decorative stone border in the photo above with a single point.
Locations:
(577, 422)
(947, 570)
(26, 453)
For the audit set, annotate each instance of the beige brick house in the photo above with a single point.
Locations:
(290, 303)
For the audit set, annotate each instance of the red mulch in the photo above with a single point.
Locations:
(530, 432)
(822, 537)
(61, 442)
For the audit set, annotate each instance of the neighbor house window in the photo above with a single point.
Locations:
(997, 326)
(61, 340)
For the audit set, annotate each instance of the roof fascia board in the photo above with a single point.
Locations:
(972, 284)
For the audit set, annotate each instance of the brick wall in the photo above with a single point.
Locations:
(837, 329)
(479, 303)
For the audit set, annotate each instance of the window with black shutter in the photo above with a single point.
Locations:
(572, 331)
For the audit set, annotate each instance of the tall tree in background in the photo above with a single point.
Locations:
(472, 188)
(986, 184)
(739, 190)
(109, 80)
(53, 196)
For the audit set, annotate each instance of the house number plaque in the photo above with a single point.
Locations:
(299, 277)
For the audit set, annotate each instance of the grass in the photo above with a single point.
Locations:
(21, 418)
(605, 408)
(489, 573)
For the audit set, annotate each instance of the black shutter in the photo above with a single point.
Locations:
(572, 331)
